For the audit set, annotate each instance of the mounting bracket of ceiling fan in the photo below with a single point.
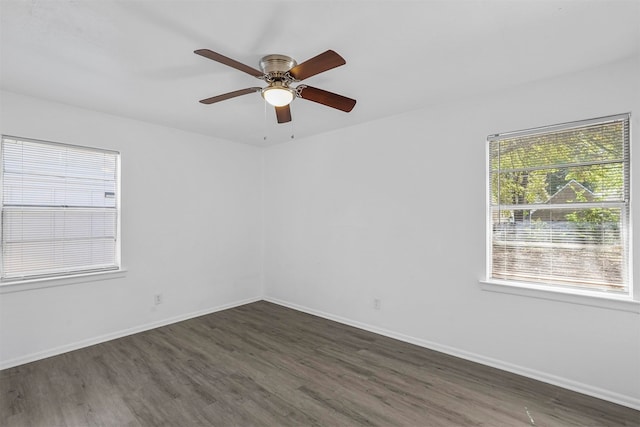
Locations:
(280, 71)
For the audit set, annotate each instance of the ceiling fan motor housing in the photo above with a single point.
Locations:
(277, 65)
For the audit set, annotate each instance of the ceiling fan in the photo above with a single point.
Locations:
(280, 72)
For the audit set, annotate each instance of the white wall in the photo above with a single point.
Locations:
(191, 230)
(395, 210)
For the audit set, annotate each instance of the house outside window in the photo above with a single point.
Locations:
(60, 210)
(558, 207)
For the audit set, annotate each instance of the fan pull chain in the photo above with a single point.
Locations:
(264, 123)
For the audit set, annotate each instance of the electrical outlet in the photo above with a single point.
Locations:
(157, 299)
(376, 304)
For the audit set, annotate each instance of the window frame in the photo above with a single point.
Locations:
(629, 301)
(36, 281)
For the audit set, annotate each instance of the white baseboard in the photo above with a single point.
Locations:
(589, 390)
(119, 334)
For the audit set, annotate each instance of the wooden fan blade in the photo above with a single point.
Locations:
(316, 65)
(283, 114)
(229, 62)
(230, 95)
(329, 99)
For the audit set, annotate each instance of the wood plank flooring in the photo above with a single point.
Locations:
(266, 365)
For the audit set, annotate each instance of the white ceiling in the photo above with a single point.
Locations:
(135, 58)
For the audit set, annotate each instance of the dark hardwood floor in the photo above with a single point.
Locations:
(262, 364)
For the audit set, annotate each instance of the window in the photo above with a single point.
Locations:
(60, 209)
(558, 206)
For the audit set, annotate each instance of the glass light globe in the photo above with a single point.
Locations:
(277, 96)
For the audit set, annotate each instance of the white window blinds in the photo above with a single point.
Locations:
(59, 209)
(559, 205)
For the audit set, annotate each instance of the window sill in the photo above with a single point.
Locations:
(606, 301)
(48, 282)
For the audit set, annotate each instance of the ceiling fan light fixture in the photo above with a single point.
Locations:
(279, 71)
(278, 94)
